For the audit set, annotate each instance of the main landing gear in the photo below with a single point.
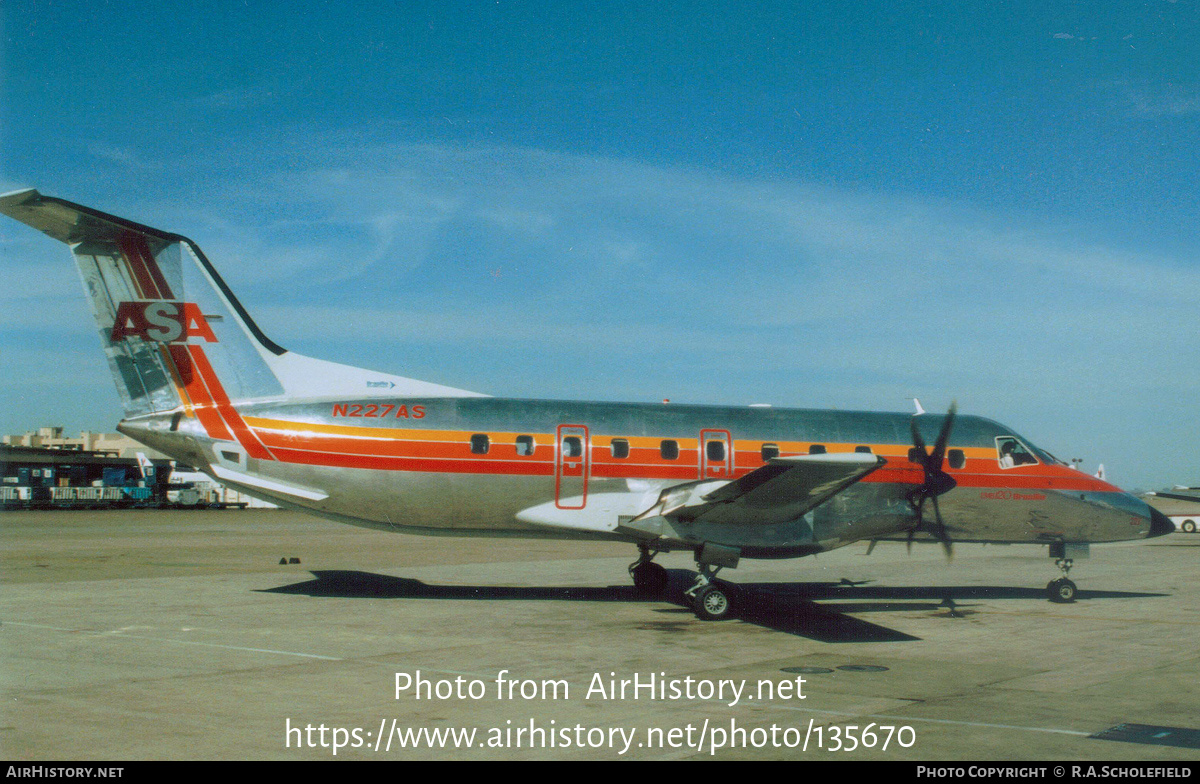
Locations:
(649, 579)
(711, 601)
(1062, 590)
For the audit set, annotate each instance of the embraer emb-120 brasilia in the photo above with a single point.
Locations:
(201, 382)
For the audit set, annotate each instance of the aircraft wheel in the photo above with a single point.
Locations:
(712, 603)
(1062, 591)
(650, 579)
(1189, 526)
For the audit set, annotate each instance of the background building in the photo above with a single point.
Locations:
(87, 441)
(45, 468)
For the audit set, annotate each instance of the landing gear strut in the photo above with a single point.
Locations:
(710, 600)
(1062, 590)
(649, 579)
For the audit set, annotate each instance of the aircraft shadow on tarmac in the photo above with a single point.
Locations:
(819, 611)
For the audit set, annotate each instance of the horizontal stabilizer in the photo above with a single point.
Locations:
(253, 482)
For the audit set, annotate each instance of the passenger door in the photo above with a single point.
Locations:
(716, 454)
(572, 465)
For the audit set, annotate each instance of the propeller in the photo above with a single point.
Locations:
(936, 482)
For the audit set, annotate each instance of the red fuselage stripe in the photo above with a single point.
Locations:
(502, 459)
(202, 402)
(245, 437)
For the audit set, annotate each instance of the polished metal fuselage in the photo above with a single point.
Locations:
(426, 475)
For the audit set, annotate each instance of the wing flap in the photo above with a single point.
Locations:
(780, 491)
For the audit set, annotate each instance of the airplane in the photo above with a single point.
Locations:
(200, 382)
(1181, 505)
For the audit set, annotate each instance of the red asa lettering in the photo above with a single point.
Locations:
(160, 321)
(194, 323)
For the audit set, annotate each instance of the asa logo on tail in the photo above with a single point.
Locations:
(161, 321)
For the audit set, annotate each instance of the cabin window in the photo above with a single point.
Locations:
(620, 448)
(769, 451)
(816, 449)
(715, 451)
(480, 444)
(524, 446)
(863, 450)
(572, 446)
(669, 450)
(958, 458)
(1012, 453)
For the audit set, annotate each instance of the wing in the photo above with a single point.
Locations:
(1178, 496)
(780, 491)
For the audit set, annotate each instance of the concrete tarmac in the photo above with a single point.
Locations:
(146, 635)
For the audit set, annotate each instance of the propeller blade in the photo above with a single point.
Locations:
(936, 481)
(918, 442)
(940, 533)
(939, 447)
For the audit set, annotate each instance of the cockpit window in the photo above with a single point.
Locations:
(1013, 453)
(1049, 458)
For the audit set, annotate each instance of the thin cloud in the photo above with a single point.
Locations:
(122, 157)
(1162, 100)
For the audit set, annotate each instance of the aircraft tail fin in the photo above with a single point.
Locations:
(144, 465)
(173, 332)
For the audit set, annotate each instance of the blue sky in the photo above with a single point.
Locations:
(808, 204)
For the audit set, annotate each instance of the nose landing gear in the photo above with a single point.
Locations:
(1062, 590)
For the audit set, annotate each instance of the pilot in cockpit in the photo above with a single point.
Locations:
(1013, 453)
(1006, 456)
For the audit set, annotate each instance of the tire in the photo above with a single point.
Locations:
(1062, 591)
(1189, 526)
(650, 579)
(712, 603)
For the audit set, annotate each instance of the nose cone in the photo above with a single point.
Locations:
(1160, 524)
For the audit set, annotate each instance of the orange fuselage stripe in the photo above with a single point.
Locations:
(205, 407)
(233, 419)
(450, 451)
